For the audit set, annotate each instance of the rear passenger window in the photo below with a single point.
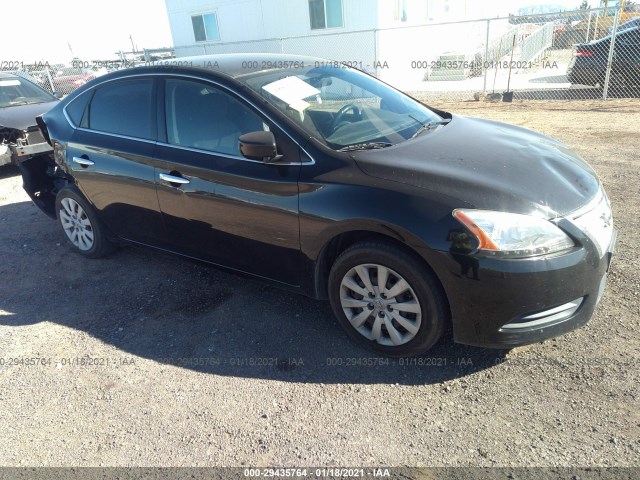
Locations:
(77, 107)
(124, 108)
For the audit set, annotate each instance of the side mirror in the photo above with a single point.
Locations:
(259, 146)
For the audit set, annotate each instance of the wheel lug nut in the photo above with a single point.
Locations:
(370, 306)
(371, 295)
(381, 314)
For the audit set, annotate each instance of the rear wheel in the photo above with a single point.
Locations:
(81, 226)
(386, 300)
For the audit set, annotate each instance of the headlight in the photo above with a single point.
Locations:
(513, 235)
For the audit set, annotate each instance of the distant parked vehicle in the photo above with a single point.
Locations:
(96, 71)
(627, 26)
(67, 79)
(589, 64)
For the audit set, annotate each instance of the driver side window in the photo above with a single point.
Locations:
(204, 117)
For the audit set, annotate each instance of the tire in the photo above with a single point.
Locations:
(80, 225)
(422, 307)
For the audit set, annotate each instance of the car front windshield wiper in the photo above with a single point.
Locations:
(430, 126)
(365, 146)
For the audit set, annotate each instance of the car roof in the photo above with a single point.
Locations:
(231, 66)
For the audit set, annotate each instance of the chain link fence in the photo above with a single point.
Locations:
(583, 54)
(60, 78)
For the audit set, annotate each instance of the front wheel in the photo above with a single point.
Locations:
(386, 300)
(81, 226)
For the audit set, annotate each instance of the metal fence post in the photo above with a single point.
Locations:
(612, 45)
(485, 60)
(46, 68)
(375, 53)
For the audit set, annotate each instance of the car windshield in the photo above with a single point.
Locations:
(18, 91)
(342, 107)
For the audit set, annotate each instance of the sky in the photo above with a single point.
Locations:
(95, 29)
(59, 30)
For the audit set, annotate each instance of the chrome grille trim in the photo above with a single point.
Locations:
(546, 317)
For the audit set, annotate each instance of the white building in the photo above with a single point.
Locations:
(364, 32)
(207, 22)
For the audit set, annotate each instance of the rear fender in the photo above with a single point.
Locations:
(41, 180)
(43, 128)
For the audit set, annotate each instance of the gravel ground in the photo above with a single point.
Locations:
(151, 360)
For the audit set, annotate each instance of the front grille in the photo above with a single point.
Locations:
(596, 221)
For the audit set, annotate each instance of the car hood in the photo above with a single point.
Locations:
(22, 117)
(489, 165)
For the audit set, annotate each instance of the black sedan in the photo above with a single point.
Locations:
(590, 60)
(326, 181)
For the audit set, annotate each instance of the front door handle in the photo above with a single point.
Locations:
(85, 162)
(165, 177)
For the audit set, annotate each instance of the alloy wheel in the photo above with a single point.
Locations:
(380, 304)
(76, 224)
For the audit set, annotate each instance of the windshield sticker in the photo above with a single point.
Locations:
(9, 83)
(292, 91)
(300, 105)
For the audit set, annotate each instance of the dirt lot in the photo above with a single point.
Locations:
(156, 361)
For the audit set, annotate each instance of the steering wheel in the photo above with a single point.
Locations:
(337, 121)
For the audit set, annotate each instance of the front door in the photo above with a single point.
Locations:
(217, 205)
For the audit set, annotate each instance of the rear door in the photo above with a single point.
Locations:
(217, 205)
(111, 155)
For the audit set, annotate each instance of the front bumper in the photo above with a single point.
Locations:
(5, 155)
(30, 144)
(18, 153)
(500, 303)
(25, 151)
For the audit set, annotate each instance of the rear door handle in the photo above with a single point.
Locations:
(85, 162)
(165, 177)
